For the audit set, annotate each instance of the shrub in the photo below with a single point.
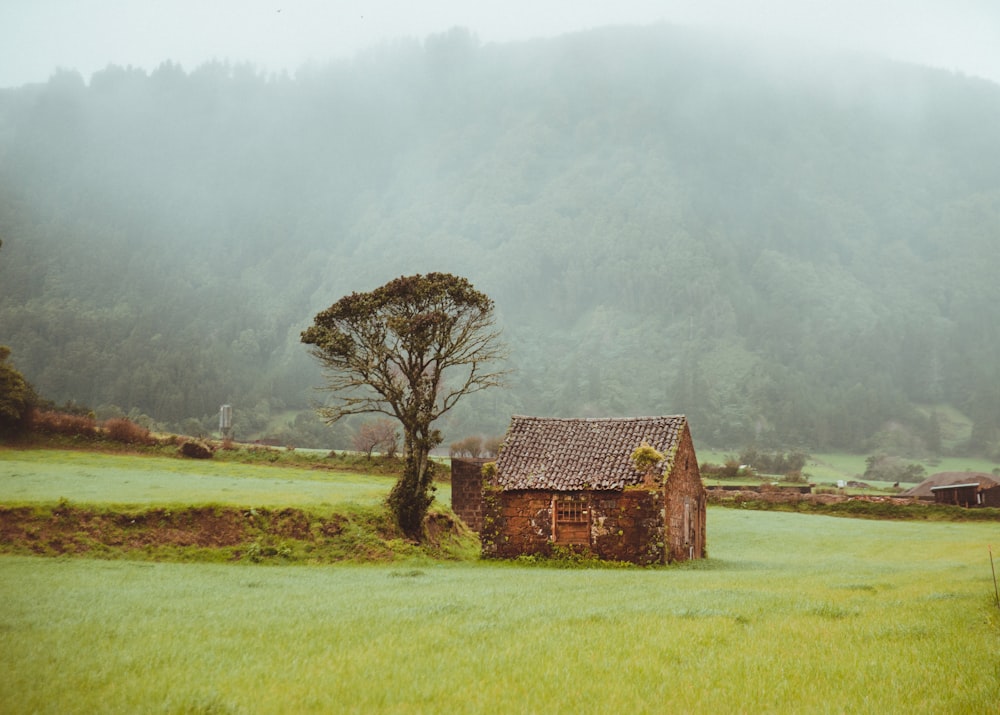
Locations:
(126, 431)
(773, 462)
(195, 449)
(730, 469)
(644, 459)
(65, 424)
(794, 477)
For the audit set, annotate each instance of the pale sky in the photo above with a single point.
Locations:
(39, 36)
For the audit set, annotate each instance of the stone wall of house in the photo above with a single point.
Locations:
(515, 523)
(685, 499)
(624, 526)
(628, 526)
(467, 490)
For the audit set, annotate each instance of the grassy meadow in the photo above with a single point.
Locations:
(791, 613)
(42, 475)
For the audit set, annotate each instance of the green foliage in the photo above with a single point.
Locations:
(730, 469)
(764, 462)
(863, 509)
(893, 469)
(16, 396)
(569, 557)
(392, 351)
(645, 457)
(353, 533)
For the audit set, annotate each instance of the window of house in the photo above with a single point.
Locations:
(570, 520)
(570, 511)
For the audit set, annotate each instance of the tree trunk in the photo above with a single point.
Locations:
(410, 497)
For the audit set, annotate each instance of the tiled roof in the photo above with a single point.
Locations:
(572, 454)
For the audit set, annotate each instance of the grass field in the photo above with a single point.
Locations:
(791, 613)
(45, 475)
(828, 468)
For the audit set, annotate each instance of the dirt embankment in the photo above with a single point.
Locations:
(70, 529)
(228, 533)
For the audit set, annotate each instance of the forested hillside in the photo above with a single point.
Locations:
(795, 250)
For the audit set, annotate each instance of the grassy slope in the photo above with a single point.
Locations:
(846, 616)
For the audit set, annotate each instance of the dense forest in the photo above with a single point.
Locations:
(794, 249)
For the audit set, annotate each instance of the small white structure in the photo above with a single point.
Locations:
(226, 421)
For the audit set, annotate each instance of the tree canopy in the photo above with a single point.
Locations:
(409, 349)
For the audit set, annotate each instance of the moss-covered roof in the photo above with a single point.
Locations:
(576, 454)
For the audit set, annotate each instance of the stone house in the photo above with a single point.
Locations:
(571, 483)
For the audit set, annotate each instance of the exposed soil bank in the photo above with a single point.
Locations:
(221, 533)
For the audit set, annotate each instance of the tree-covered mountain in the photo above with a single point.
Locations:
(792, 248)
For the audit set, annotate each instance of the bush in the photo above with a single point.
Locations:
(720, 471)
(195, 449)
(65, 424)
(126, 431)
(773, 462)
(794, 477)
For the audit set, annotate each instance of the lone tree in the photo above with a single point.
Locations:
(387, 352)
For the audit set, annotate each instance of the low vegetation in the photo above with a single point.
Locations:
(844, 616)
(364, 534)
(862, 508)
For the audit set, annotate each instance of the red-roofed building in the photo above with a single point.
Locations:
(572, 483)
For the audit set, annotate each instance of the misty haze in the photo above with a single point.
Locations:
(735, 301)
(796, 251)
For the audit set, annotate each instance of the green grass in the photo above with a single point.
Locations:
(45, 475)
(830, 467)
(792, 613)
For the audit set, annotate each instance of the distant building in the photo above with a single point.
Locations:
(972, 494)
(968, 489)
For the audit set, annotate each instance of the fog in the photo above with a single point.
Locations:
(38, 37)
